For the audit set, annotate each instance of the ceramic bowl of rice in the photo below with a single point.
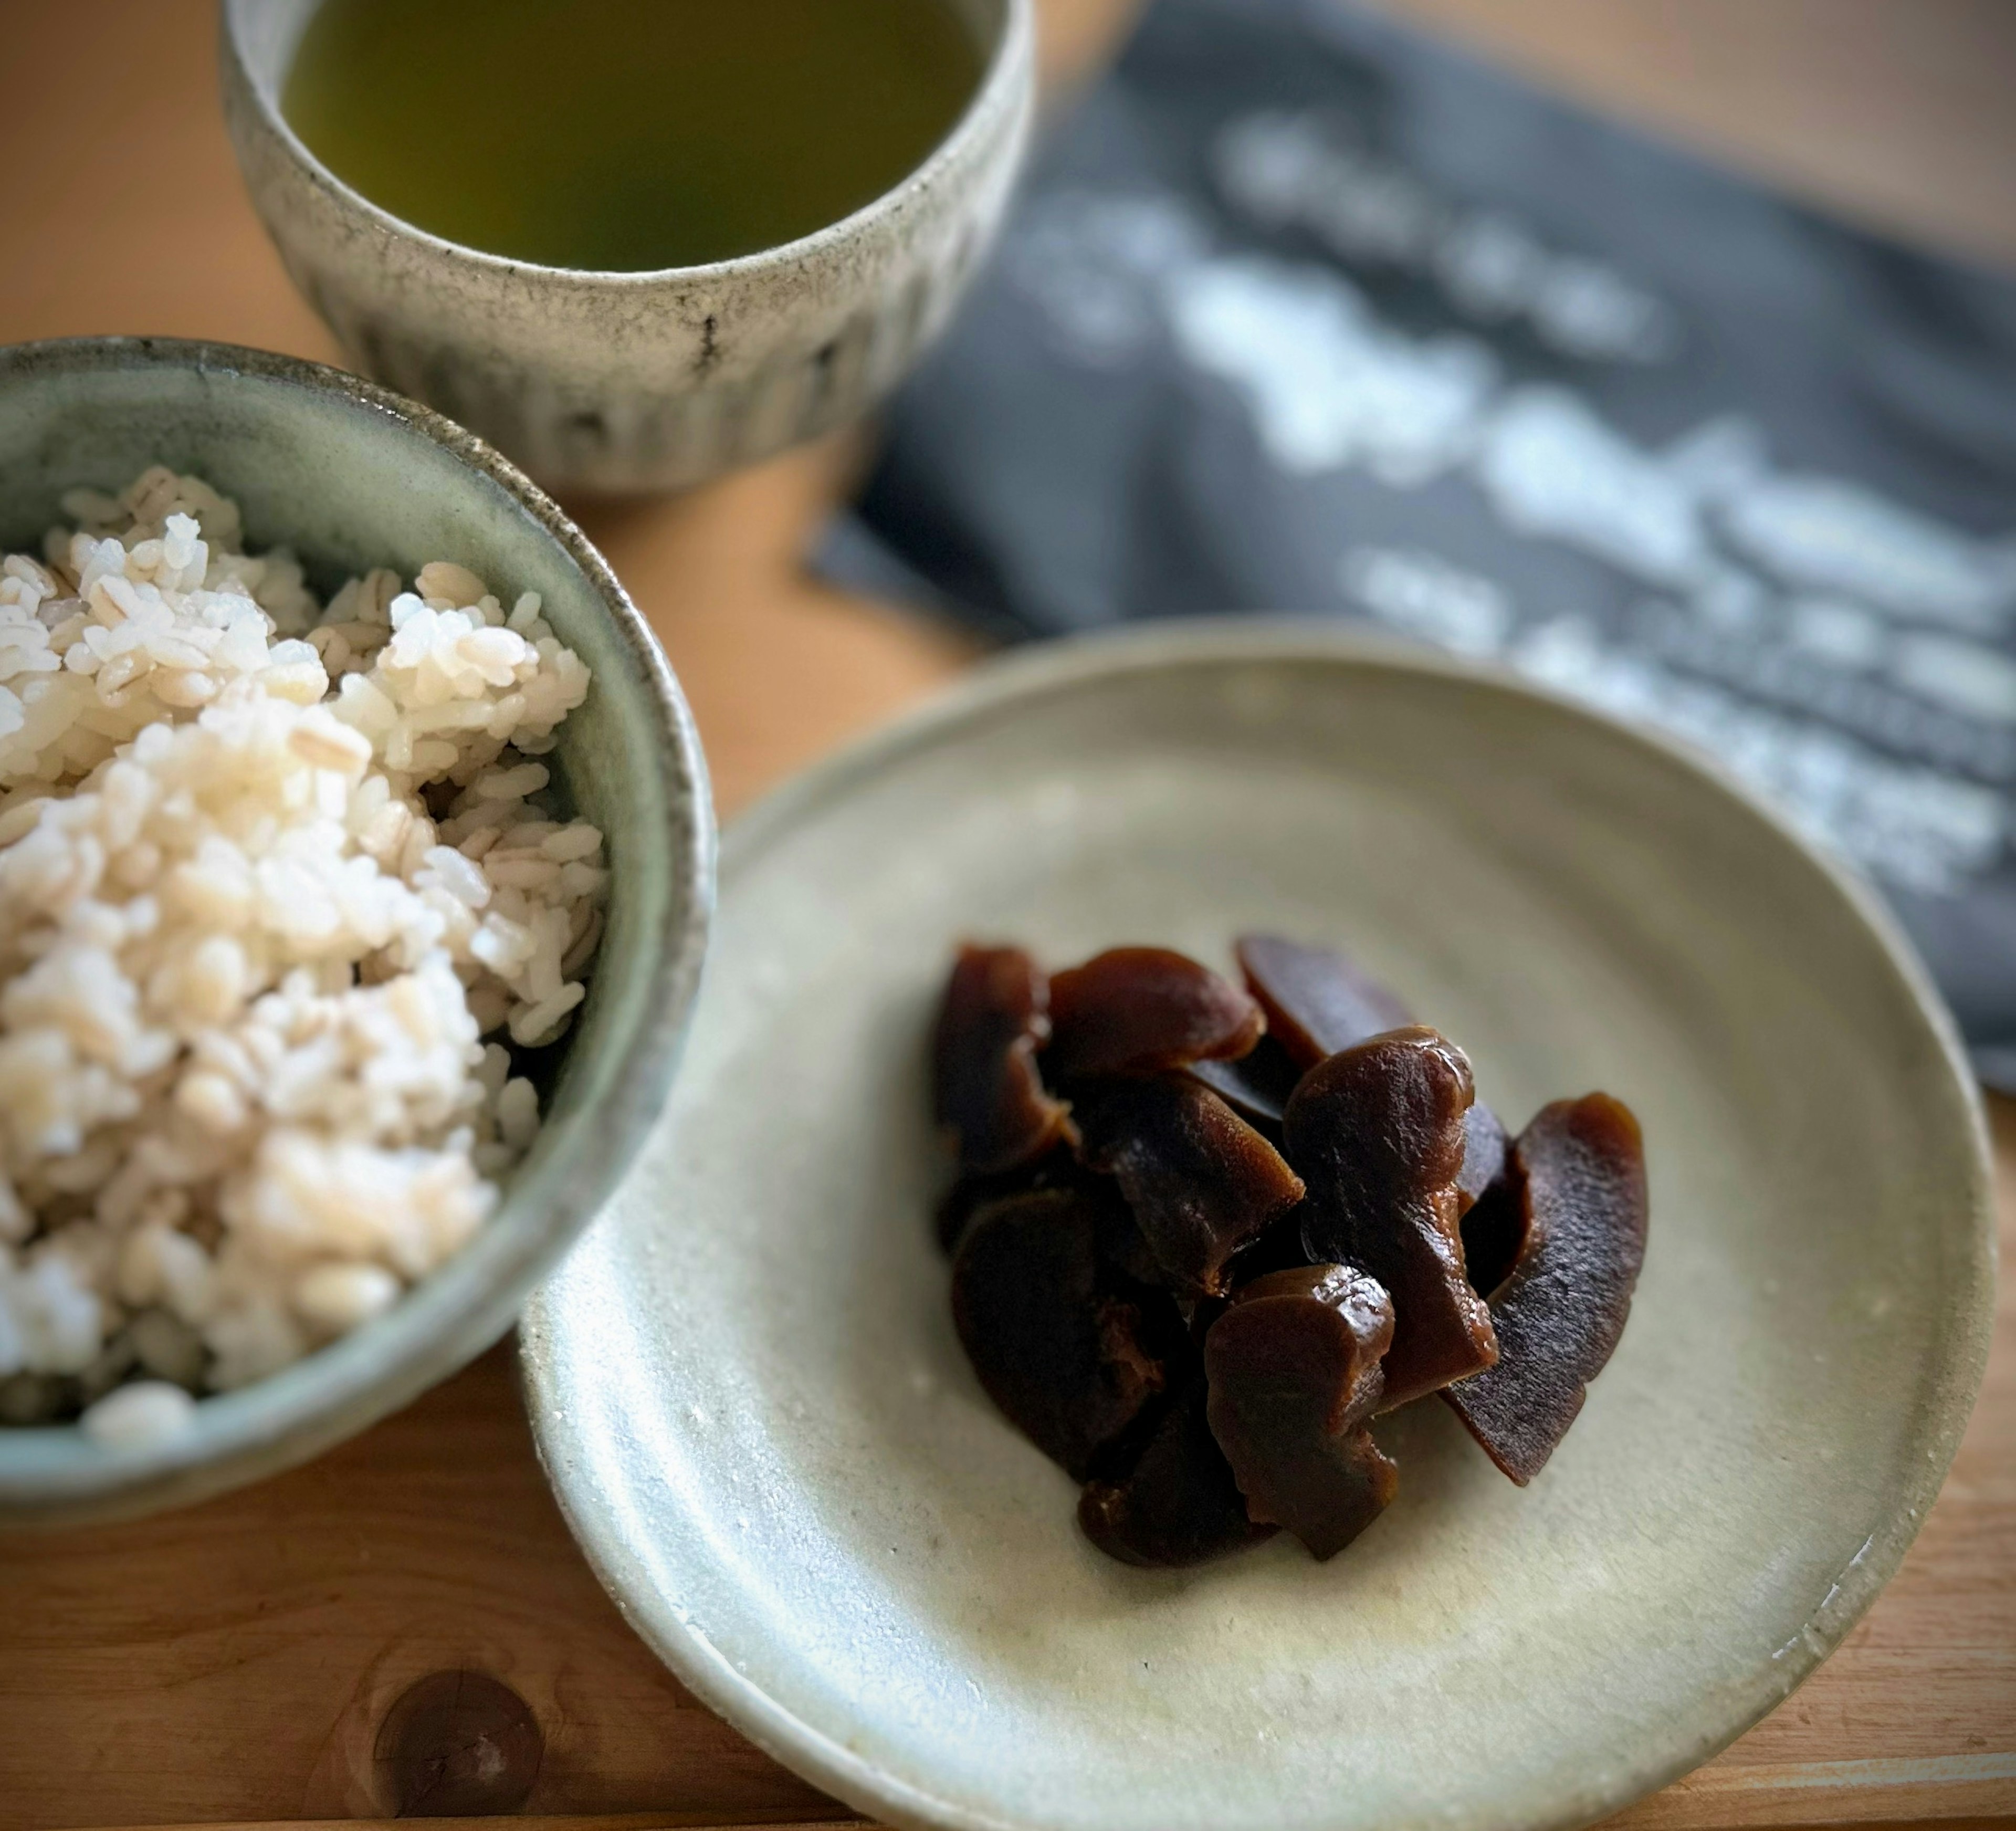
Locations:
(355, 863)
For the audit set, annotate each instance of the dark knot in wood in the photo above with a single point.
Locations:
(458, 1744)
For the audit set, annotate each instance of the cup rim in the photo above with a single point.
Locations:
(447, 1318)
(1006, 71)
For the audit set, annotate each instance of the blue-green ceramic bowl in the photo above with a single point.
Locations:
(349, 476)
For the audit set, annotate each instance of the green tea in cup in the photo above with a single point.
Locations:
(626, 136)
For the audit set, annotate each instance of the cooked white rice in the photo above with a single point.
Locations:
(270, 874)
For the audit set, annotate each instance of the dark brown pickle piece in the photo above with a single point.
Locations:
(1198, 1314)
(1176, 1504)
(1256, 1086)
(1377, 1132)
(1316, 1001)
(1058, 1168)
(1119, 1240)
(1576, 1184)
(1137, 1009)
(994, 1019)
(1121, 1244)
(1484, 1144)
(1293, 1373)
(1279, 1248)
(1200, 1181)
(1494, 1223)
(1070, 1352)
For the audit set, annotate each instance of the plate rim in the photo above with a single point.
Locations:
(1043, 669)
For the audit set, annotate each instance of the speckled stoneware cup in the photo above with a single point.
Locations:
(350, 476)
(626, 382)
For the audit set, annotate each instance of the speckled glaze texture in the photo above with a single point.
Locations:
(349, 476)
(626, 382)
(747, 1389)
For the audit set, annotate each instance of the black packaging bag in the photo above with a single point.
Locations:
(1301, 312)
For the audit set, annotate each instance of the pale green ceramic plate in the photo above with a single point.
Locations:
(748, 1393)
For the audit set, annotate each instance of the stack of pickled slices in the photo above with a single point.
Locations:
(1202, 1235)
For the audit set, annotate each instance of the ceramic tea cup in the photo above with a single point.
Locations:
(620, 382)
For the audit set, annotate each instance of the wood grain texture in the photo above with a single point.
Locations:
(682, 1821)
(232, 1664)
(532, 1821)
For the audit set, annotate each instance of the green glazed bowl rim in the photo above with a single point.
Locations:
(54, 1474)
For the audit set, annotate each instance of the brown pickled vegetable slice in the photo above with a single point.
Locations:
(1294, 1373)
(1256, 1086)
(1494, 1226)
(993, 1020)
(1316, 1001)
(1484, 1144)
(1575, 1187)
(1121, 1244)
(1057, 1168)
(1070, 1351)
(1177, 1503)
(1198, 1314)
(1136, 1010)
(1200, 1181)
(1378, 1133)
(1279, 1249)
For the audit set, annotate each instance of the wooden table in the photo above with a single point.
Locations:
(233, 1663)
